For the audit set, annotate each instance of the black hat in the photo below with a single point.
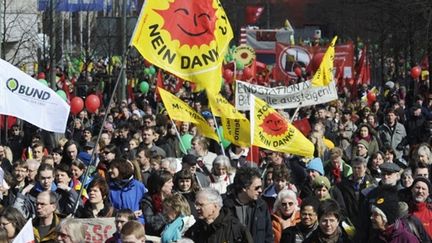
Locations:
(388, 205)
(425, 180)
(89, 145)
(389, 167)
(189, 159)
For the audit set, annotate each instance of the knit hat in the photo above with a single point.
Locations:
(387, 204)
(364, 143)
(189, 159)
(316, 165)
(321, 181)
(424, 180)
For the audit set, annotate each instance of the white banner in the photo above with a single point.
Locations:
(26, 234)
(284, 97)
(26, 98)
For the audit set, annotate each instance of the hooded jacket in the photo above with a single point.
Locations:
(127, 193)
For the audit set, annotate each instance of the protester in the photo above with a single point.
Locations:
(285, 212)
(308, 223)
(160, 186)
(329, 217)
(98, 204)
(12, 221)
(124, 190)
(46, 220)
(70, 231)
(421, 206)
(254, 213)
(122, 216)
(222, 174)
(216, 224)
(179, 219)
(133, 232)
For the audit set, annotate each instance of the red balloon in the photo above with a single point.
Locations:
(228, 75)
(298, 71)
(371, 97)
(247, 73)
(76, 105)
(92, 103)
(415, 72)
(41, 75)
(316, 61)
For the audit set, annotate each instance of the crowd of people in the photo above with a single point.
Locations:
(369, 179)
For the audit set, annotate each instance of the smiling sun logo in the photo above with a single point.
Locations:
(274, 124)
(190, 22)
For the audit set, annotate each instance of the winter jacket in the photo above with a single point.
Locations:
(423, 211)
(127, 193)
(345, 172)
(277, 225)
(225, 228)
(350, 191)
(297, 233)
(393, 138)
(87, 211)
(26, 204)
(155, 221)
(51, 237)
(259, 224)
(395, 233)
(318, 237)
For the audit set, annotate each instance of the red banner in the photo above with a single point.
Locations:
(290, 57)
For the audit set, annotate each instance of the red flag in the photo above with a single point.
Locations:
(303, 126)
(363, 69)
(253, 13)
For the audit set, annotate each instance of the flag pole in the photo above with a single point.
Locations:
(219, 135)
(295, 112)
(108, 108)
(252, 122)
(178, 136)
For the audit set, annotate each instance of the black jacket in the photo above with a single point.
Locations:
(259, 224)
(290, 234)
(225, 228)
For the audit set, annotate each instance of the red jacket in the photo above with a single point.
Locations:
(423, 212)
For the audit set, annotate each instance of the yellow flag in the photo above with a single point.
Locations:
(222, 108)
(270, 130)
(236, 125)
(187, 38)
(237, 131)
(179, 110)
(324, 75)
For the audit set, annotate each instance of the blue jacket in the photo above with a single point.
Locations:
(127, 193)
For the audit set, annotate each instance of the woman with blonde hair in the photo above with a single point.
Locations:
(321, 150)
(178, 213)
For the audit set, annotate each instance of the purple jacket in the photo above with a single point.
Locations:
(397, 233)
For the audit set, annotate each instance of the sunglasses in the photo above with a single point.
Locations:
(257, 188)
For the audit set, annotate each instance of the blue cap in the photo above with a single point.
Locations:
(317, 165)
(84, 157)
